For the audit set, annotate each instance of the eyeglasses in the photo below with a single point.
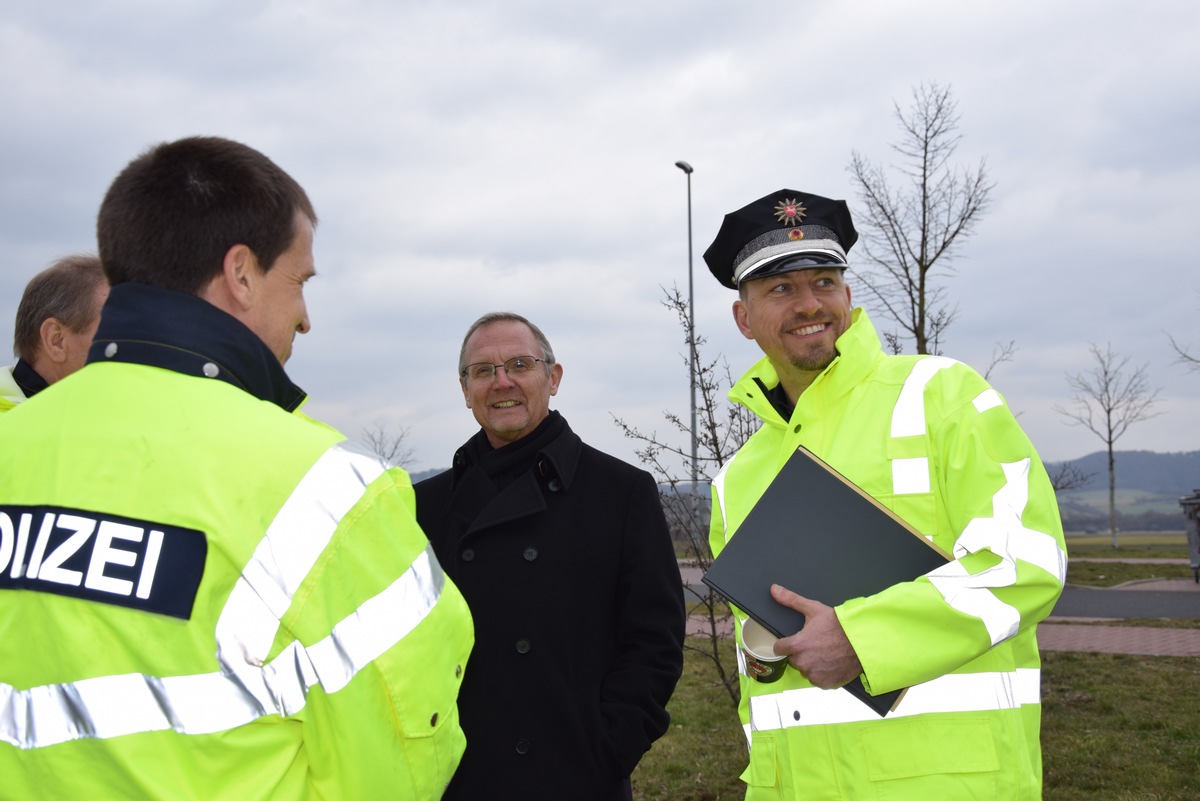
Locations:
(517, 365)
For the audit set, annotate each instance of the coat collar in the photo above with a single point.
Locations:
(549, 470)
(176, 331)
(556, 461)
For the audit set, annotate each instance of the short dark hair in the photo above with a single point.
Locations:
(173, 213)
(66, 291)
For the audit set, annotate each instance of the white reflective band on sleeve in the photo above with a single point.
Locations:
(111, 706)
(718, 484)
(379, 623)
(988, 399)
(908, 418)
(956, 692)
(1004, 535)
(910, 476)
(301, 529)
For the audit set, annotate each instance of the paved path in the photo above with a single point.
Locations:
(1059, 636)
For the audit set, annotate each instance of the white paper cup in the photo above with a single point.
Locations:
(757, 647)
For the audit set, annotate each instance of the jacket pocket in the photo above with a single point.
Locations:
(946, 759)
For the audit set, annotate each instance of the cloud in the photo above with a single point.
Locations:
(480, 155)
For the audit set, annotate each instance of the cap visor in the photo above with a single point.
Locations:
(811, 260)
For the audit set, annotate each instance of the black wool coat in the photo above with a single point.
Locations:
(576, 596)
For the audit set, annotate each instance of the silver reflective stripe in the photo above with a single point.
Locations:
(293, 541)
(988, 399)
(379, 623)
(956, 692)
(908, 416)
(111, 706)
(718, 484)
(910, 476)
(284, 556)
(1007, 537)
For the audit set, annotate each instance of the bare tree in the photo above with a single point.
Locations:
(389, 445)
(1001, 352)
(1068, 476)
(1185, 353)
(722, 428)
(1108, 399)
(909, 231)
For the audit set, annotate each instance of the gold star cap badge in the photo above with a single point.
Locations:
(790, 211)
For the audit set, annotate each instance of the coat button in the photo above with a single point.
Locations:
(522, 746)
(523, 646)
(468, 554)
(555, 485)
(433, 720)
(796, 715)
(458, 671)
(530, 554)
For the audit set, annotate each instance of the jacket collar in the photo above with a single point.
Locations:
(148, 325)
(28, 379)
(858, 349)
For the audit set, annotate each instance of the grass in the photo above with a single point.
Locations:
(1133, 545)
(1114, 727)
(1110, 574)
(1120, 727)
(703, 753)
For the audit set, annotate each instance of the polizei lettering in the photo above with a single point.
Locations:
(101, 557)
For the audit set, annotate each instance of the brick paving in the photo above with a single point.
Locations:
(1054, 635)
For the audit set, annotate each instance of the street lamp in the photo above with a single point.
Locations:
(687, 169)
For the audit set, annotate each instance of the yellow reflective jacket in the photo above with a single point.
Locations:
(205, 596)
(929, 439)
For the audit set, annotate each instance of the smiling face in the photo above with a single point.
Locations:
(796, 318)
(508, 407)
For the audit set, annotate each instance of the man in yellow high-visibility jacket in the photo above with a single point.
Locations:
(202, 594)
(928, 438)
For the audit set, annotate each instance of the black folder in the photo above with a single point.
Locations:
(816, 533)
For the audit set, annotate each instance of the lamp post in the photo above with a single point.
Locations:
(687, 169)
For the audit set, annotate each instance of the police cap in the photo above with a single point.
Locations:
(786, 230)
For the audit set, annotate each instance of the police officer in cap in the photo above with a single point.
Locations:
(931, 441)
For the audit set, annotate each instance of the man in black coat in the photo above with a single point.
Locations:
(564, 557)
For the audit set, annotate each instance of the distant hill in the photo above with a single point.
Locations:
(1149, 486)
(1175, 474)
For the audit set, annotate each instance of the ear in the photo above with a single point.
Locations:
(556, 371)
(233, 289)
(241, 273)
(741, 316)
(462, 383)
(52, 336)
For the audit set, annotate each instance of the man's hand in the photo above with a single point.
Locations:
(820, 650)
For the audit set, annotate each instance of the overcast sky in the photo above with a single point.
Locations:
(475, 156)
